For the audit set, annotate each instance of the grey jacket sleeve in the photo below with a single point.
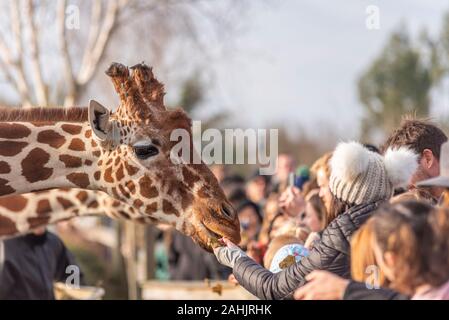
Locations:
(331, 253)
(277, 286)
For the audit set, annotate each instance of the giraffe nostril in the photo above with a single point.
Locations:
(228, 212)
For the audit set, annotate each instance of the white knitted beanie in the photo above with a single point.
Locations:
(359, 175)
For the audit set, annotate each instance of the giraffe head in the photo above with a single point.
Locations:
(135, 165)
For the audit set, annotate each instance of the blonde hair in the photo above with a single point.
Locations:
(418, 194)
(322, 163)
(277, 243)
(416, 234)
(362, 254)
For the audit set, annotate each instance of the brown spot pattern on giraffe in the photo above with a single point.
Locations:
(5, 188)
(14, 203)
(119, 175)
(168, 208)
(7, 226)
(151, 208)
(43, 207)
(189, 178)
(131, 169)
(64, 202)
(147, 190)
(79, 179)
(71, 161)
(203, 193)
(124, 214)
(72, 128)
(97, 175)
(52, 138)
(4, 167)
(138, 203)
(33, 166)
(93, 204)
(115, 193)
(108, 175)
(14, 131)
(82, 196)
(37, 221)
(77, 145)
(123, 191)
(11, 148)
(131, 187)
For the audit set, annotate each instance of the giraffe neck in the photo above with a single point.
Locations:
(22, 213)
(40, 156)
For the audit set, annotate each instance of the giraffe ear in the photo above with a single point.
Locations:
(99, 120)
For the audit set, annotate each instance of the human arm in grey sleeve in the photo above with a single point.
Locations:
(277, 286)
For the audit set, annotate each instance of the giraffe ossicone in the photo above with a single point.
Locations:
(125, 154)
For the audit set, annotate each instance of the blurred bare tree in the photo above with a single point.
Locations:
(398, 82)
(50, 50)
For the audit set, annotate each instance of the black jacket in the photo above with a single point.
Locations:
(359, 291)
(30, 264)
(187, 261)
(331, 253)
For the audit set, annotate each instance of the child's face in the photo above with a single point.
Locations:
(325, 193)
(311, 219)
(249, 224)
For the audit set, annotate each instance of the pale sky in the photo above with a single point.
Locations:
(297, 62)
(290, 62)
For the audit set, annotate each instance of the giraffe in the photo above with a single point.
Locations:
(63, 204)
(125, 154)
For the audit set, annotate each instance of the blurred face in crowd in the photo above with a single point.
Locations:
(285, 165)
(255, 189)
(429, 167)
(325, 192)
(311, 218)
(271, 208)
(249, 224)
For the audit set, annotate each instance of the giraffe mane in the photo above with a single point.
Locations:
(37, 114)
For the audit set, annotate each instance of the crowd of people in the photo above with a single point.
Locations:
(364, 222)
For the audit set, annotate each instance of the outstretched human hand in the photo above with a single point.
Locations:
(228, 254)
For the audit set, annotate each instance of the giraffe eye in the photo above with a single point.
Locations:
(145, 151)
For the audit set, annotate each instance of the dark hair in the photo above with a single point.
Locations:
(248, 203)
(417, 135)
(416, 234)
(232, 180)
(337, 207)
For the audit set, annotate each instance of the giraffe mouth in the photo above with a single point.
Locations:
(214, 235)
(213, 239)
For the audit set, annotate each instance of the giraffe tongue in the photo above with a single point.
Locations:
(214, 239)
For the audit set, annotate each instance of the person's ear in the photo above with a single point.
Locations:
(428, 159)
